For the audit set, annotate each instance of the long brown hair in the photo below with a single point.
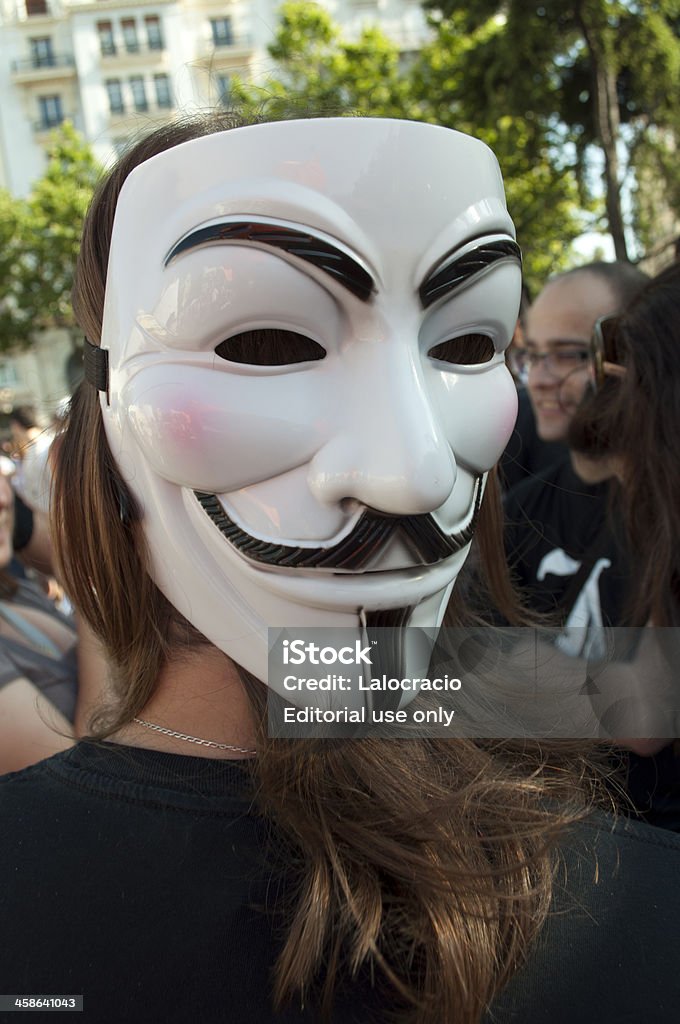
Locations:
(426, 860)
(636, 419)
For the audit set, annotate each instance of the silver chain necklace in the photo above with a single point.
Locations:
(192, 739)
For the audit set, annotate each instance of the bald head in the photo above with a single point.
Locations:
(559, 326)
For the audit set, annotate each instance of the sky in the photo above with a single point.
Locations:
(588, 244)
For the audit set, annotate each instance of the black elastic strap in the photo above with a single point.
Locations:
(96, 366)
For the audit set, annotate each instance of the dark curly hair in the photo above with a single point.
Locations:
(636, 418)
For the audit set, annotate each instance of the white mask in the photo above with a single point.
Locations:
(370, 243)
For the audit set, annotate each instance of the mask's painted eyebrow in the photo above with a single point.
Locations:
(339, 264)
(460, 266)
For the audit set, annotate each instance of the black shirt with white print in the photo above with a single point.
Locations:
(566, 552)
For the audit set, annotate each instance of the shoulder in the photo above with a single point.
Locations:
(604, 953)
(556, 483)
(617, 885)
(602, 831)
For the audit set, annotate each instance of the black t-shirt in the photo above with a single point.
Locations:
(554, 525)
(137, 879)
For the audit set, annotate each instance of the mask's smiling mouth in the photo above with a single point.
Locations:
(362, 550)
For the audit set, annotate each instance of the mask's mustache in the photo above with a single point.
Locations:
(355, 551)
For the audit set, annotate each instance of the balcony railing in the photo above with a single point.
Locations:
(152, 105)
(132, 49)
(43, 63)
(232, 42)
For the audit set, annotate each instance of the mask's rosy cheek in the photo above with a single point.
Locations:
(507, 417)
(217, 432)
(479, 412)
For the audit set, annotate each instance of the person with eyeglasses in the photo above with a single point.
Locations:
(558, 541)
(560, 322)
(569, 539)
(551, 365)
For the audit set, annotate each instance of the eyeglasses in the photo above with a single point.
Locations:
(603, 347)
(560, 362)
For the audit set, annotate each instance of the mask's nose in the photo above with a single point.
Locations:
(389, 451)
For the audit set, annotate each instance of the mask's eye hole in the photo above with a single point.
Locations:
(269, 347)
(468, 350)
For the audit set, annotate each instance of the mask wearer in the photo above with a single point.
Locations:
(305, 324)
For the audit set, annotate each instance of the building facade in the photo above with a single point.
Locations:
(115, 67)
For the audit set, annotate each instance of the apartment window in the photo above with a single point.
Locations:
(129, 26)
(107, 44)
(139, 93)
(223, 89)
(222, 31)
(115, 92)
(163, 94)
(51, 113)
(36, 7)
(42, 54)
(154, 36)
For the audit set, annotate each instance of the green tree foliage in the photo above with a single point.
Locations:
(320, 72)
(37, 273)
(604, 73)
(542, 189)
(14, 326)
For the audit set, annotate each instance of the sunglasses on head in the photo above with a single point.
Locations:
(603, 347)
